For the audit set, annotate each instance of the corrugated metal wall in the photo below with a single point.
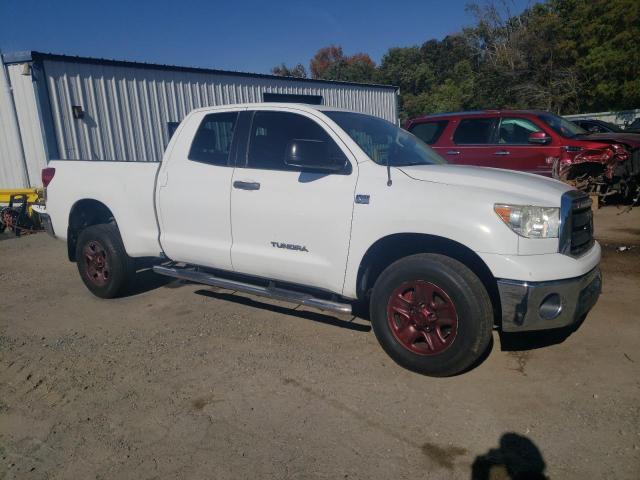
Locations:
(29, 119)
(12, 168)
(621, 118)
(127, 108)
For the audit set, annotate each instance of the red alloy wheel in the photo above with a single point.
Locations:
(95, 257)
(422, 317)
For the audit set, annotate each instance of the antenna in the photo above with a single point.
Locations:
(389, 182)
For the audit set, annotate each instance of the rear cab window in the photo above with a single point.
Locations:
(475, 131)
(212, 142)
(429, 132)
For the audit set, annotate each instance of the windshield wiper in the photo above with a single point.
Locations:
(410, 164)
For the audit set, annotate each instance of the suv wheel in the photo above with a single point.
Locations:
(431, 314)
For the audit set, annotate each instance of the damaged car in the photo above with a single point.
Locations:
(534, 141)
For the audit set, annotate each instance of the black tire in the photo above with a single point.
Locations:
(113, 280)
(472, 311)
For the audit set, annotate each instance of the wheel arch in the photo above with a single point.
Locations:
(395, 246)
(84, 213)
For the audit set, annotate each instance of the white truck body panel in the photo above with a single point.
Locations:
(205, 221)
(309, 210)
(193, 202)
(125, 187)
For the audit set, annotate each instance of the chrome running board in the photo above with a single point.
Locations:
(269, 291)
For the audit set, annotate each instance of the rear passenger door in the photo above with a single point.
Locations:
(193, 190)
(472, 142)
(289, 224)
(513, 150)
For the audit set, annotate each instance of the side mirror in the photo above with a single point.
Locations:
(313, 155)
(539, 138)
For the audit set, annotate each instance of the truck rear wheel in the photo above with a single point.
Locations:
(431, 314)
(103, 263)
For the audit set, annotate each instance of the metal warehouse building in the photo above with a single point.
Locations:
(58, 106)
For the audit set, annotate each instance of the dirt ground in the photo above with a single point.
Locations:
(183, 381)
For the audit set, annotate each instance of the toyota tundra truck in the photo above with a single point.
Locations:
(343, 212)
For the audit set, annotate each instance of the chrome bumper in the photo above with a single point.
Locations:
(543, 305)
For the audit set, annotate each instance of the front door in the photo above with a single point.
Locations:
(289, 224)
(514, 151)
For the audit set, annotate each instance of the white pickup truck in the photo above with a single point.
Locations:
(334, 209)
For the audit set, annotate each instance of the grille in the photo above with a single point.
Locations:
(577, 228)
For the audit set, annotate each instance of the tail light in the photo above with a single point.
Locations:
(47, 176)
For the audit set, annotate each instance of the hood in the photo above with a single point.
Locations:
(527, 187)
(630, 139)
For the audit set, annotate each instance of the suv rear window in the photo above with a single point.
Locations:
(474, 131)
(429, 132)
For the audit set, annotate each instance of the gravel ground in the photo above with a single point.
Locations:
(185, 381)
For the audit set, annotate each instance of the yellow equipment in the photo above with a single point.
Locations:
(18, 214)
(34, 195)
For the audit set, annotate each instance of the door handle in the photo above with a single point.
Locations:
(502, 152)
(453, 152)
(246, 185)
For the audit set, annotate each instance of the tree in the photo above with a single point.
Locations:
(283, 71)
(324, 59)
(566, 56)
(404, 68)
(329, 63)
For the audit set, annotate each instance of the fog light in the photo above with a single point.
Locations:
(550, 307)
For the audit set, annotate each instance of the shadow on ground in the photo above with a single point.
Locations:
(519, 341)
(145, 280)
(516, 458)
(307, 315)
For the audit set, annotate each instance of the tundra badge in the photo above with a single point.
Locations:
(289, 246)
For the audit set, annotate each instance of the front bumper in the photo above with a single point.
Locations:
(544, 305)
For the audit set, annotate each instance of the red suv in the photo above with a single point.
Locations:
(537, 142)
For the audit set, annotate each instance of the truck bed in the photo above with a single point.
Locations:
(125, 188)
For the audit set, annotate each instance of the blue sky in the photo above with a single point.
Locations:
(243, 35)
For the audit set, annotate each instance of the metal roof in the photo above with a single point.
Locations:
(27, 56)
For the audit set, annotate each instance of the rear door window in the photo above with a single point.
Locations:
(212, 142)
(516, 131)
(429, 132)
(475, 131)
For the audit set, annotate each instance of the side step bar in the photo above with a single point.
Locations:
(269, 291)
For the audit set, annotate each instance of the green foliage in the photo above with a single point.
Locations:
(329, 63)
(566, 56)
(283, 71)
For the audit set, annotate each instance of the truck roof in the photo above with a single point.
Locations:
(298, 106)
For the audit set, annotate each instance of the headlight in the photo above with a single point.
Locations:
(529, 221)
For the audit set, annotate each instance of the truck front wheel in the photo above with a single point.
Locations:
(431, 314)
(103, 263)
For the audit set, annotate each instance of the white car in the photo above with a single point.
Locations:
(335, 209)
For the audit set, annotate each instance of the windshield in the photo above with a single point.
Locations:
(611, 126)
(384, 142)
(561, 126)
